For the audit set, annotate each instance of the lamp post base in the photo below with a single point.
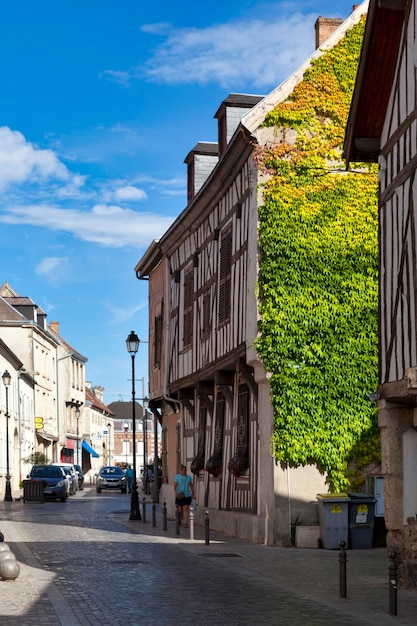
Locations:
(8, 493)
(134, 504)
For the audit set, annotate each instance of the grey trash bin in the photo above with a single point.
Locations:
(361, 520)
(333, 517)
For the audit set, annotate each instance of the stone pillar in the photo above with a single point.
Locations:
(394, 420)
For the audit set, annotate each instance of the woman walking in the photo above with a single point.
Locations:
(184, 493)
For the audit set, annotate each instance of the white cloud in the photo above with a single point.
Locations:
(22, 162)
(107, 225)
(50, 266)
(122, 314)
(117, 76)
(257, 52)
(125, 194)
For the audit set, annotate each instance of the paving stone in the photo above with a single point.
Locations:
(84, 562)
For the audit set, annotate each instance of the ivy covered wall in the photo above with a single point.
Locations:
(318, 284)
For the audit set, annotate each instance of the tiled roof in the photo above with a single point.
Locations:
(66, 345)
(96, 403)
(9, 314)
(123, 410)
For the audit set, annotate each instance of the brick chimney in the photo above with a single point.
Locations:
(54, 327)
(325, 26)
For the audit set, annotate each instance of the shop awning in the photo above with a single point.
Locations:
(90, 450)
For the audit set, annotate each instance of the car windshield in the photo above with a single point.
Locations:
(111, 471)
(46, 472)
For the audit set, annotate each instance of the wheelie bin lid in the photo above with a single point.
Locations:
(361, 496)
(332, 496)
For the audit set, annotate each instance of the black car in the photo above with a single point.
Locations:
(54, 481)
(80, 475)
(111, 477)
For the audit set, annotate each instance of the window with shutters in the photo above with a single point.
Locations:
(239, 463)
(188, 308)
(198, 462)
(225, 277)
(214, 464)
(206, 325)
(158, 341)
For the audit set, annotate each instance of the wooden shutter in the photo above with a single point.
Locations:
(206, 328)
(188, 308)
(158, 341)
(225, 276)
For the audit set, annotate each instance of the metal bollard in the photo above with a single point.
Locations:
(144, 510)
(392, 579)
(164, 516)
(153, 513)
(207, 528)
(192, 524)
(177, 521)
(342, 569)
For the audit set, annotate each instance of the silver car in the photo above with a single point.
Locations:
(111, 477)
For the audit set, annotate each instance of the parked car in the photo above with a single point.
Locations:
(111, 477)
(80, 475)
(54, 479)
(69, 470)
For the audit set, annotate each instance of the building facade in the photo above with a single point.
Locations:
(208, 386)
(383, 129)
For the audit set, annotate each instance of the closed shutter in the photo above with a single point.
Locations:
(158, 342)
(225, 276)
(188, 308)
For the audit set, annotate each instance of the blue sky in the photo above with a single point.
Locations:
(101, 102)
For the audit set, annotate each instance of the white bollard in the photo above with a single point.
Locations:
(191, 523)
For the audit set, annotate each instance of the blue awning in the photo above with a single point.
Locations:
(90, 450)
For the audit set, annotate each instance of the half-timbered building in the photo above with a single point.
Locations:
(382, 127)
(208, 385)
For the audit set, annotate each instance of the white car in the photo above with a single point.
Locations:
(72, 476)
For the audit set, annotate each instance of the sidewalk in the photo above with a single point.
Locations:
(308, 574)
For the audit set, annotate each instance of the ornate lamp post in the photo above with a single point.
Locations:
(77, 415)
(132, 343)
(8, 493)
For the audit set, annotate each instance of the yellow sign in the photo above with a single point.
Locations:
(38, 423)
(335, 508)
(362, 508)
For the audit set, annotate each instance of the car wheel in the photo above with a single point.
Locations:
(123, 490)
(98, 490)
(64, 499)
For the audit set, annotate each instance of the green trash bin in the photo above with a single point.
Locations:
(361, 520)
(333, 518)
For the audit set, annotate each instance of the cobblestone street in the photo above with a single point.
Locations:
(84, 562)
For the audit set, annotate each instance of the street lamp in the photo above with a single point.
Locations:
(8, 493)
(132, 343)
(77, 415)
